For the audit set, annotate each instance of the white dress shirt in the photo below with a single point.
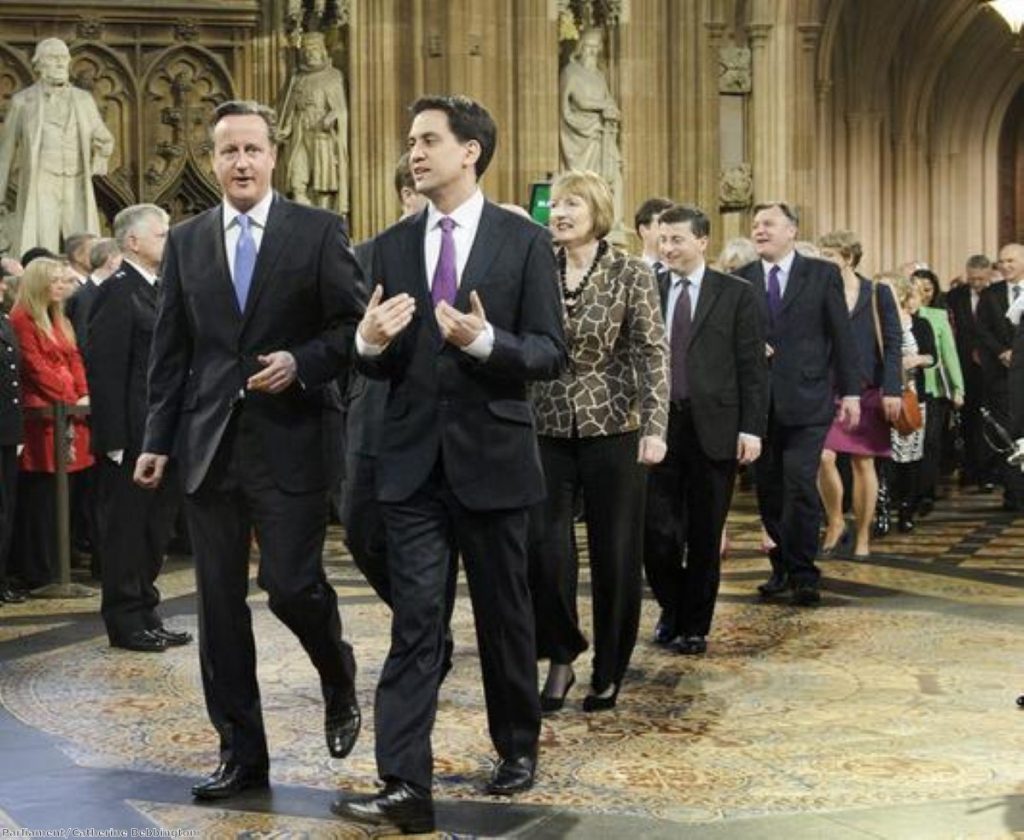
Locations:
(675, 290)
(785, 265)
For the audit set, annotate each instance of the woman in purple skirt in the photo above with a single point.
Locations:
(881, 387)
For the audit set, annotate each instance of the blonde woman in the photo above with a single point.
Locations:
(598, 424)
(52, 372)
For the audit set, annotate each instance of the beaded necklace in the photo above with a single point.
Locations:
(572, 296)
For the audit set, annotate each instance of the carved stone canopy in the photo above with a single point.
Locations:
(734, 70)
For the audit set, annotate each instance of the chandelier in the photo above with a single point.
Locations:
(1012, 11)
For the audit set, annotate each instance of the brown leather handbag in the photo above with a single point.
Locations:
(910, 419)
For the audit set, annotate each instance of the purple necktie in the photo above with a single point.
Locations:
(682, 319)
(774, 292)
(444, 286)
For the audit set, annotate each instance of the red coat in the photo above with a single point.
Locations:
(51, 371)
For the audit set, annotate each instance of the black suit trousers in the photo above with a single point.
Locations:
(424, 532)
(8, 496)
(787, 497)
(688, 497)
(238, 496)
(605, 469)
(135, 527)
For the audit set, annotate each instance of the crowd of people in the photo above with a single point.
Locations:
(497, 384)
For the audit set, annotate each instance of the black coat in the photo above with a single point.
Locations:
(814, 353)
(306, 297)
(442, 401)
(78, 309)
(11, 430)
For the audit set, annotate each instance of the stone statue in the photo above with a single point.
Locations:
(54, 137)
(314, 126)
(736, 186)
(734, 70)
(590, 118)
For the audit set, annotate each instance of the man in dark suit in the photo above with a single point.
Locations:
(258, 305)
(717, 418)
(980, 462)
(809, 346)
(466, 312)
(134, 523)
(996, 334)
(105, 259)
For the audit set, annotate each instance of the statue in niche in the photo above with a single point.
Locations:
(734, 70)
(314, 127)
(590, 117)
(55, 138)
(736, 186)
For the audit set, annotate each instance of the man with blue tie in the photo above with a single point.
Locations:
(812, 360)
(259, 302)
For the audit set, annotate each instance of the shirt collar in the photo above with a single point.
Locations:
(695, 277)
(466, 214)
(258, 213)
(785, 264)
(148, 276)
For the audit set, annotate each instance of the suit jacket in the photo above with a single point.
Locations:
(1016, 383)
(944, 378)
(11, 432)
(117, 359)
(965, 326)
(810, 339)
(306, 297)
(883, 371)
(995, 332)
(726, 368)
(78, 308)
(442, 402)
(618, 374)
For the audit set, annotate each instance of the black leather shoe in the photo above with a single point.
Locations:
(806, 595)
(144, 641)
(9, 596)
(664, 630)
(691, 645)
(550, 703)
(595, 702)
(512, 775)
(230, 779)
(173, 638)
(401, 805)
(838, 546)
(775, 585)
(342, 721)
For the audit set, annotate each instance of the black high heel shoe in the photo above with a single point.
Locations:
(597, 703)
(839, 545)
(549, 704)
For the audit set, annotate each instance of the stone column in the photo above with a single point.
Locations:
(763, 153)
(531, 145)
(864, 129)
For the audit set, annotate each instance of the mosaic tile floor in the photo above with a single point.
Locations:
(886, 712)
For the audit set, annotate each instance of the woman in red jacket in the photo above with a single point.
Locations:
(52, 372)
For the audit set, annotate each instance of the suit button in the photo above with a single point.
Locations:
(15, 401)
(14, 384)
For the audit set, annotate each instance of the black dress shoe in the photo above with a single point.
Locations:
(342, 721)
(597, 703)
(173, 638)
(230, 779)
(401, 805)
(806, 595)
(144, 641)
(512, 775)
(664, 630)
(10, 596)
(691, 645)
(549, 703)
(775, 585)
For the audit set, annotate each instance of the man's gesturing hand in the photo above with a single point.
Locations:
(383, 321)
(279, 371)
(461, 328)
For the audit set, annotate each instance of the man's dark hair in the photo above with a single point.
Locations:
(244, 107)
(978, 261)
(700, 224)
(403, 175)
(468, 120)
(786, 209)
(37, 252)
(74, 243)
(648, 210)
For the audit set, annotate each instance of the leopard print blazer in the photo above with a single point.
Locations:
(617, 377)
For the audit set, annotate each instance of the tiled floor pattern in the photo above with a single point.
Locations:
(888, 711)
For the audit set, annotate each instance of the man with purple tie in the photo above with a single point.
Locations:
(467, 311)
(812, 359)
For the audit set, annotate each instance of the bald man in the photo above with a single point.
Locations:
(996, 333)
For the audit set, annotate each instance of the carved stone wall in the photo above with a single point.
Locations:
(156, 73)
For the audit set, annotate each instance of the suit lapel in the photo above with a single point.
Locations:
(796, 283)
(274, 238)
(214, 230)
(710, 289)
(863, 298)
(486, 245)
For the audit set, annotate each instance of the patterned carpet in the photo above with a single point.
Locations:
(898, 690)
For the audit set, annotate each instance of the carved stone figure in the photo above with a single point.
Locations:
(56, 139)
(314, 126)
(734, 70)
(590, 117)
(736, 186)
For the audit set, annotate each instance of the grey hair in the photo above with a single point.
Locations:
(131, 217)
(101, 251)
